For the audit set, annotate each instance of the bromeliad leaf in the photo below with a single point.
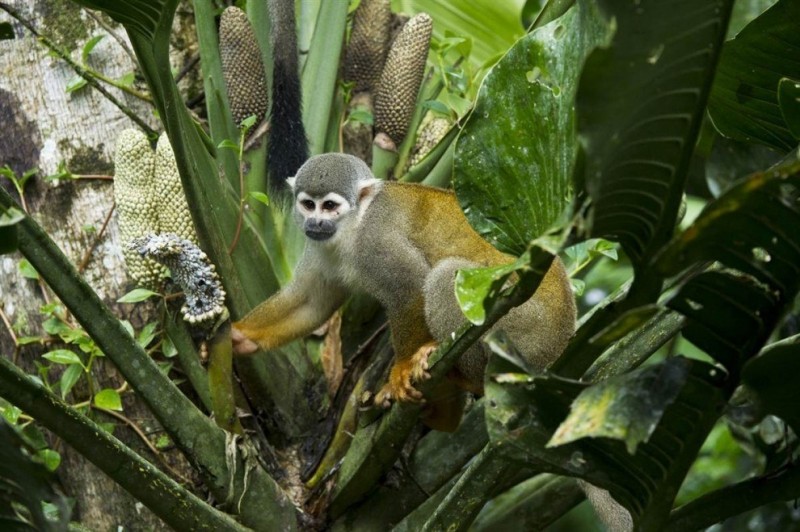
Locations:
(515, 155)
(744, 101)
(640, 105)
(626, 408)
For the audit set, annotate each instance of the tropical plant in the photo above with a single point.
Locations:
(588, 128)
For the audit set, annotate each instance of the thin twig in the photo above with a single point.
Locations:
(88, 255)
(261, 130)
(102, 23)
(80, 70)
(10, 329)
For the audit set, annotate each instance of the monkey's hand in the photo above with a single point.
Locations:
(242, 345)
(406, 372)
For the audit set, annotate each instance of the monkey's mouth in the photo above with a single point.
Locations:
(319, 234)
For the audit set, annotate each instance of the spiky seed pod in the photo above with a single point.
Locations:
(242, 66)
(432, 129)
(369, 43)
(193, 271)
(402, 77)
(136, 209)
(171, 205)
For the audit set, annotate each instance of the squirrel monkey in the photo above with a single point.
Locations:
(401, 243)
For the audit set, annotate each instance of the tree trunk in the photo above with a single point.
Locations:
(47, 128)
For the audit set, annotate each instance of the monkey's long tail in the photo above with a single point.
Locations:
(288, 145)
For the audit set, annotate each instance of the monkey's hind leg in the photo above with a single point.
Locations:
(405, 372)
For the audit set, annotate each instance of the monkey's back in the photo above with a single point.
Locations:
(437, 226)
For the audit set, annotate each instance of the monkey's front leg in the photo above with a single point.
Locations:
(412, 344)
(296, 311)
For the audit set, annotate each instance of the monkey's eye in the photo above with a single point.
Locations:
(329, 205)
(307, 204)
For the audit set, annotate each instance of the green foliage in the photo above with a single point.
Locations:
(612, 93)
(27, 487)
(745, 103)
(515, 156)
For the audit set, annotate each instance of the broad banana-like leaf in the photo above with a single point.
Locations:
(744, 101)
(748, 229)
(524, 411)
(640, 105)
(515, 155)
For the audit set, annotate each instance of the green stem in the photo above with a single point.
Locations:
(170, 501)
(533, 504)
(188, 358)
(476, 486)
(114, 83)
(437, 458)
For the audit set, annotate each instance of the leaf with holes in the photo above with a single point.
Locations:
(748, 229)
(514, 157)
(640, 105)
(744, 101)
(730, 315)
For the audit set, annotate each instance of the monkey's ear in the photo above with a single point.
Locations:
(367, 188)
(290, 181)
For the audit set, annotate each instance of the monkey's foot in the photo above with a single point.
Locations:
(404, 374)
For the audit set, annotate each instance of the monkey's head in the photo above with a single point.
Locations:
(330, 190)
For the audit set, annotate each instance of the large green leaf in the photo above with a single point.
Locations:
(730, 315)
(744, 100)
(749, 228)
(524, 411)
(627, 407)
(640, 105)
(492, 26)
(515, 155)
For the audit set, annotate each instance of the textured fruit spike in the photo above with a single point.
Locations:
(402, 77)
(193, 271)
(369, 43)
(136, 209)
(242, 66)
(170, 200)
(432, 129)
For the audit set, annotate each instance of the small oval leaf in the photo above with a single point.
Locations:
(108, 399)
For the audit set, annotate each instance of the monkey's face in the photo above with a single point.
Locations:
(319, 216)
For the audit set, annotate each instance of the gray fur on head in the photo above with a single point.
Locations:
(331, 172)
